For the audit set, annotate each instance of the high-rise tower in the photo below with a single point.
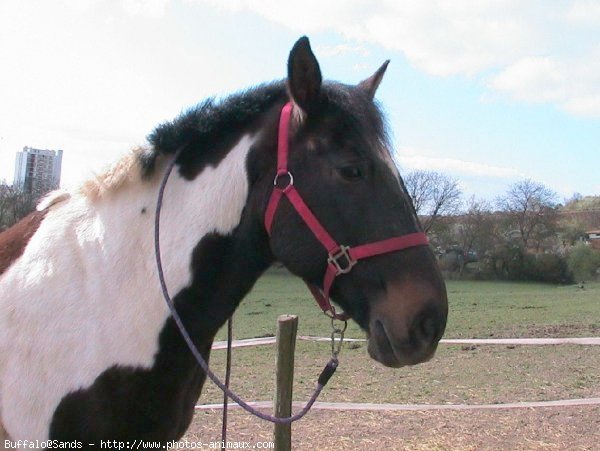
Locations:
(37, 171)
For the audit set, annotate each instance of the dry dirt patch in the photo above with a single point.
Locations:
(565, 428)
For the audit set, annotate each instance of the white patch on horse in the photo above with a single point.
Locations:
(127, 169)
(84, 296)
(3, 436)
(52, 198)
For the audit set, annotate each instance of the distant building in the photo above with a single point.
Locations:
(37, 171)
(594, 238)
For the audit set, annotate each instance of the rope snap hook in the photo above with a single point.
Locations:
(337, 336)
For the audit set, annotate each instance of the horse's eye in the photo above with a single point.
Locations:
(351, 172)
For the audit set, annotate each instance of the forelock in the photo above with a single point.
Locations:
(360, 113)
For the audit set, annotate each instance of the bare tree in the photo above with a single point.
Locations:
(475, 231)
(531, 210)
(5, 206)
(14, 205)
(433, 194)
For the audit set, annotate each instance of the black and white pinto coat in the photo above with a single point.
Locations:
(81, 309)
(87, 345)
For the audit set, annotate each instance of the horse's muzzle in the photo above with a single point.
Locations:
(405, 330)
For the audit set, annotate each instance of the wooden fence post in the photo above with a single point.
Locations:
(287, 327)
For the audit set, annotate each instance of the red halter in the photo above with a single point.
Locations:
(341, 258)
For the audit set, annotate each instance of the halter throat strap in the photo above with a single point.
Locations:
(341, 259)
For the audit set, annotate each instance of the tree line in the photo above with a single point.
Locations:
(15, 204)
(524, 234)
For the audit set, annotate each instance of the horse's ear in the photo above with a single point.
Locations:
(371, 84)
(304, 75)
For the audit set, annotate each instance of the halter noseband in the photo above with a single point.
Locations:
(341, 259)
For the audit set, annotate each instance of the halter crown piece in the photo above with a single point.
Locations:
(341, 259)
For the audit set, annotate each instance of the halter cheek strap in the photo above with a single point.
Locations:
(341, 259)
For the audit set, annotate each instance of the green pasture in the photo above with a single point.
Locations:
(457, 374)
(478, 309)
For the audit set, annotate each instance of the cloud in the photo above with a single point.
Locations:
(442, 38)
(413, 159)
(585, 11)
(532, 79)
(479, 179)
(341, 49)
(541, 52)
(149, 8)
(573, 86)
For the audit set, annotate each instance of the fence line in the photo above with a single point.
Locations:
(587, 341)
(420, 407)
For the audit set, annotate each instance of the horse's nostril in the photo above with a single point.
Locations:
(381, 336)
(429, 326)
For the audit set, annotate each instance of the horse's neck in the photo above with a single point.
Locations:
(197, 218)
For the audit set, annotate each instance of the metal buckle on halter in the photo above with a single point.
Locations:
(290, 181)
(334, 259)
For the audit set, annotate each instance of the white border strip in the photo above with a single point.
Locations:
(418, 407)
(588, 341)
(524, 341)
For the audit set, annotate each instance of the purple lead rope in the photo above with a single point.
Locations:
(227, 379)
(323, 378)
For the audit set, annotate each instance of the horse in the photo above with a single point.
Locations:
(88, 348)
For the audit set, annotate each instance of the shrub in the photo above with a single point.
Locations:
(584, 262)
(512, 263)
(551, 268)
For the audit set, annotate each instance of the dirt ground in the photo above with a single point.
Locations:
(547, 428)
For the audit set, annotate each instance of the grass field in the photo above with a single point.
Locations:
(477, 309)
(457, 374)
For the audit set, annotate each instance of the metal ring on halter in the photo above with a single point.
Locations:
(330, 313)
(290, 183)
(334, 327)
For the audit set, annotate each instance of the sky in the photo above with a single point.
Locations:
(487, 91)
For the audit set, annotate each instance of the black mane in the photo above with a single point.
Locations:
(207, 131)
(212, 126)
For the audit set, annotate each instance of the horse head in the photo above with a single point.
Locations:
(342, 167)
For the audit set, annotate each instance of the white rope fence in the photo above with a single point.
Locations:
(420, 407)
(587, 341)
